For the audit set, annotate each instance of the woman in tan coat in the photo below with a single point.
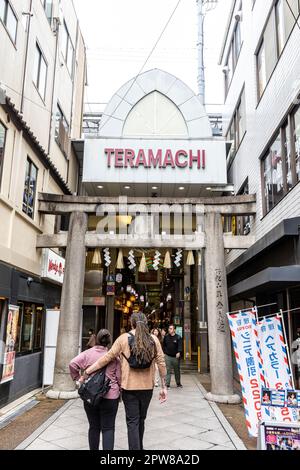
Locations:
(139, 351)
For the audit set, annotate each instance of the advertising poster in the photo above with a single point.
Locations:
(276, 367)
(11, 337)
(245, 349)
(279, 437)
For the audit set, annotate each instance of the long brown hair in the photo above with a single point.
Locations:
(144, 345)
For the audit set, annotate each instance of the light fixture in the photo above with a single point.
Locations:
(127, 187)
(208, 189)
(181, 188)
(154, 187)
(100, 187)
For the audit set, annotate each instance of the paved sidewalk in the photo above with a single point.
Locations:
(186, 422)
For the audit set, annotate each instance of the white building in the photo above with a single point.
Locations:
(42, 78)
(261, 63)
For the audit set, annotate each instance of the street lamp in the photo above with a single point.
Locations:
(204, 6)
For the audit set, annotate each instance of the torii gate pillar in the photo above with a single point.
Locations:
(221, 371)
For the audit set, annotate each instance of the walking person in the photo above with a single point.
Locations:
(102, 418)
(138, 351)
(172, 346)
(156, 332)
(92, 339)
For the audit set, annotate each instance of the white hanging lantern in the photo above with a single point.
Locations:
(168, 262)
(97, 257)
(143, 265)
(120, 260)
(190, 259)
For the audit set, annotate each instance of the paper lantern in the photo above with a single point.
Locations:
(120, 260)
(96, 257)
(143, 265)
(168, 262)
(190, 259)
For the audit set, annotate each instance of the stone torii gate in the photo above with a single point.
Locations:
(212, 239)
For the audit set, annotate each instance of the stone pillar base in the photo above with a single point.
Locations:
(57, 395)
(224, 399)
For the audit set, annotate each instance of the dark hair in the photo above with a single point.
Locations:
(172, 324)
(159, 336)
(103, 338)
(144, 345)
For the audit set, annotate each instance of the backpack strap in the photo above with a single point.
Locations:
(130, 342)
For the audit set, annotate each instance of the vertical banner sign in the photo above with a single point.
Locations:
(274, 359)
(11, 337)
(245, 350)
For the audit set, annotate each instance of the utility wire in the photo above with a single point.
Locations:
(145, 63)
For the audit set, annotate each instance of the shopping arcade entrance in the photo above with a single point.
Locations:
(209, 236)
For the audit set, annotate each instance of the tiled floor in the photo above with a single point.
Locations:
(186, 422)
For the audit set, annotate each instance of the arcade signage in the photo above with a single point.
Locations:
(177, 161)
(149, 158)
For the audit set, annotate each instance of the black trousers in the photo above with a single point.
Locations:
(102, 419)
(136, 404)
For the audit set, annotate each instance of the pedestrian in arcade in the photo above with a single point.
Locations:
(172, 346)
(102, 418)
(156, 332)
(138, 351)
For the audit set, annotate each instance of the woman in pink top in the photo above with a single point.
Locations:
(100, 419)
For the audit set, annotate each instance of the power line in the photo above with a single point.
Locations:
(145, 63)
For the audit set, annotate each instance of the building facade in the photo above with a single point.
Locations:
(42, 78)
(261, 64)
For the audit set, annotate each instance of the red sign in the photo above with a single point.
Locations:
(128, 158)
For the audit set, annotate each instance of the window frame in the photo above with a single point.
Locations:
(31, 164)
(286, 132)
(7, 6)
(37, 84)
(3, 153)
(65, 52)
(22, 305)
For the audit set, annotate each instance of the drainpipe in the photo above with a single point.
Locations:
(200, 47)
(53, 84)
(28, 26)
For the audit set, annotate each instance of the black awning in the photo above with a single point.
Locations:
(270, 279)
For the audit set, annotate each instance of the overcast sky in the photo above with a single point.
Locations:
(119, 35)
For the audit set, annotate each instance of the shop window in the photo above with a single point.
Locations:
(30, 328)
(30, 188)
(2, 148)
(9, 19)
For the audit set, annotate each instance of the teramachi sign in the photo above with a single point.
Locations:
(155, 161)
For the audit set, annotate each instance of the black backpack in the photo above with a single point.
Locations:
(132, 359)
(95, 388)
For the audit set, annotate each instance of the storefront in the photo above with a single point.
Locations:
(268, 274)
(30, 297)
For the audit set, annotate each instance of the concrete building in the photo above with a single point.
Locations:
(261, 63)
(42, 78)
